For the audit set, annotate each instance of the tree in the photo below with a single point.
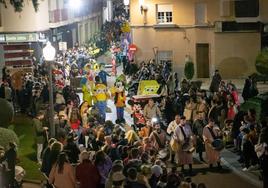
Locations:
(189, 68)
(18, 4)
(262, 62)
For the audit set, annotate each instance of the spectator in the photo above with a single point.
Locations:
(215, 83)
(132, 181)
(86, 173)
(62, 173)
(201, 185)
(104, 165)
(151, 110)
(118, 180)
(40, 134)
(11, 157)
(45, 168)
(56, 149)
(71, 149)
(247, 89)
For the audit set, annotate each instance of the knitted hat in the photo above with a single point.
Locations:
(118, 176)
(157, 170)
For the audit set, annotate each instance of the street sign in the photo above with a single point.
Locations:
(132, 47)
(62, 46)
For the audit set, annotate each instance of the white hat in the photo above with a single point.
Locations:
(157, 170)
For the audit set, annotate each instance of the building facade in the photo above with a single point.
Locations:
(216, 34)
(55, 20)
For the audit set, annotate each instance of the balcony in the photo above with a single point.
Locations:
(65, 14)
(58, 15)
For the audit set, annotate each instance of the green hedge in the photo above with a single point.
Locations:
(189, 70)
(262, 62)
(7, 136)
(6, 112)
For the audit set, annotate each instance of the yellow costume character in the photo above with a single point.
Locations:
(87, 93)
(101, 94)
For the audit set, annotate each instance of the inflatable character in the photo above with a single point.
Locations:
(87, 92)
(101, 95)
(120, 101)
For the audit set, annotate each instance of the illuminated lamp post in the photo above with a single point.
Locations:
(49, 53)
(126, 3)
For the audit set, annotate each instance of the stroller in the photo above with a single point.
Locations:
(19, 175)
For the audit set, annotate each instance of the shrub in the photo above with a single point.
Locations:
(7, 136)
(189, 70)
(6, 112)
(262, 62)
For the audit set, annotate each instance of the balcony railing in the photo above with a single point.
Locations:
(64, 14)
(58, 15)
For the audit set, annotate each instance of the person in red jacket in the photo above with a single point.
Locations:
(87, 173)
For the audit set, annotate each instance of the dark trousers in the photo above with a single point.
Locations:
(249, 154)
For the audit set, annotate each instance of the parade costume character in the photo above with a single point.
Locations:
(198, 126)
(101, 94)
(59, 79)
(87, 93)
(120, 101)
(211, 132)
(170, 130)
(103, 75)
(137, 115)
(183, 135)
(90, 74)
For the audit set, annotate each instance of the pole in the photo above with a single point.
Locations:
(51, 105)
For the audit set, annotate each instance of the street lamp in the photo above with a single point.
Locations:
(126, 3)
(75, 4)
(49, 53)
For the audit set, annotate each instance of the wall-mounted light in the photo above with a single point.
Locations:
(126, 2)
(143, 7)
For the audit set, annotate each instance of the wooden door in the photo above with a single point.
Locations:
(202, 60)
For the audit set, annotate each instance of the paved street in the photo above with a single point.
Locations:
(224, 179)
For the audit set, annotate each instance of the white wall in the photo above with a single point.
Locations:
(26, 21)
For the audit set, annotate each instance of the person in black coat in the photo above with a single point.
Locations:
(11, 156)
(71, 149)
(46, 165)
(263, 138)
(246, 90)
(2, 91)
(215, 83)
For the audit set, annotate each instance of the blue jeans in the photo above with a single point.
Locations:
(102, 105)
(120, 113)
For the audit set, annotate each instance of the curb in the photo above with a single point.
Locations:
(38, 182)
(243, 175)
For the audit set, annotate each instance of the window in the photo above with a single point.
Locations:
(200, 13)
(164, 14)
(165, 57)
(225, 8)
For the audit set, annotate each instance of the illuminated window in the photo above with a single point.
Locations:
(164, 14)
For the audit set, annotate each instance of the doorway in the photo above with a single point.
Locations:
(202, 60)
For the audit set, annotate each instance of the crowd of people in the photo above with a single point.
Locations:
(183, 120)
(139, 157)
(94, 152)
